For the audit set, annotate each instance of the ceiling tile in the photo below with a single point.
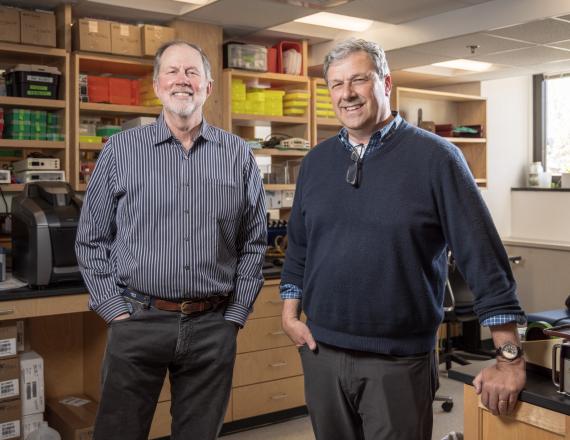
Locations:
(561, 45)
(540, 31)
(405, 58)
(526, 57)
(457, 47)
(396, 12)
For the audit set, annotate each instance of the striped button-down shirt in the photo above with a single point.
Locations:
(173, 224)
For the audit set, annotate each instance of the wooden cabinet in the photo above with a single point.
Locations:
(528, 422)
(17, 149)
(449, 108)
(321, 128)
(267, 377)
(102, 64)
(268, 373)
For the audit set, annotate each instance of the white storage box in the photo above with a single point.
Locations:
(32, 383)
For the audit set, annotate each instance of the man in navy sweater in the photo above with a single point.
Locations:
(376, 210)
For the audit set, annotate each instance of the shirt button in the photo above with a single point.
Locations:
(186, 238)
(186, 211)
(187, 184)
(186, 267)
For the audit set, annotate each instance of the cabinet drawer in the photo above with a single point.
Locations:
(261, 334)
(268, 303)
(48, 306)
(266, 365)
(264, 398)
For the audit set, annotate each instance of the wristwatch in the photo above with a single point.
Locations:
(509, 351)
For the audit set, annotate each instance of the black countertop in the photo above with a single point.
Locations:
(539, 389)
(56, 290)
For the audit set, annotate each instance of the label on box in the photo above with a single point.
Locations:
(93, 26)
(9, 388)
(10, 430)
(20, 335)
(7, 347)
(74, 401)
(124, 30)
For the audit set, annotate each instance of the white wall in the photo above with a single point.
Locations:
(509, 112)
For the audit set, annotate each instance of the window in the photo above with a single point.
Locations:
(552, 122)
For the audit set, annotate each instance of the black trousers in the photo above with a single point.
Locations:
(353, 395)
(197, 351)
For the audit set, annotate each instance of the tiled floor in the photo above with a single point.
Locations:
(300, 429)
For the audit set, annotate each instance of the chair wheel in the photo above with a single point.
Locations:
(447, 406)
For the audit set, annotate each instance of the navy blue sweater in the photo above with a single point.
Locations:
(372, 260)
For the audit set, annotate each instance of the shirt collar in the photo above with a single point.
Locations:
(376, 136)
(164, 134)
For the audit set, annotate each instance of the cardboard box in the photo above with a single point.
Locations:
(37, 28)
(9, 378)
(71, 421)
(120, 91)
(8, 335)
(9, 24)
(540, 352)
(126, 39)
(137, 122)
(92, 35)
(31, 423)
(32, 383)
(10, 417)
(155, 36)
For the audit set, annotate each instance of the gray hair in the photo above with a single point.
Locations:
(352, 45)
(162, 49)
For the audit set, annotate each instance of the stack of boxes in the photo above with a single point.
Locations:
(22, 401)
(1, 122)
(110, 90)
(295, 102)
(119, 38)
(25, 124)
(27, 27)
(32, 390)
(256, 101)
(323, 102)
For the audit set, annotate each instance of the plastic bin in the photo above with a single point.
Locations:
(120, 91)
(282, 47)
(98, 88)
(33, 81)
(245, 56)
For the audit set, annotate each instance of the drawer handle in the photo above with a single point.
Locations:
(6, 312)
(279, 396)
(278, 364)
(277, 333)
(274, 301)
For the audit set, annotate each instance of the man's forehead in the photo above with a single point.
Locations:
(180, 54)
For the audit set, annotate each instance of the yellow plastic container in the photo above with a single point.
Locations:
(291, 96)
(300, 104)
(324, 105)
(239, 106)
(322, 91)
(294, 111)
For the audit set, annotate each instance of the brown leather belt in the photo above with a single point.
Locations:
(188, 307)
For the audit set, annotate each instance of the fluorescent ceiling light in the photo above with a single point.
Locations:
(473, 66)
(195, 2)
(336, 21)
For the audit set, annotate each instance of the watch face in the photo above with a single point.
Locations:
(509, 351)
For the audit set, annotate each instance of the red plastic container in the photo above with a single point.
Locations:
(120, 91)
(286, 45)
(135, 92)
(272, 59)
(98, 88)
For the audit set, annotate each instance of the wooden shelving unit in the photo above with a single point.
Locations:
(279, 187)
(321, 128)
(275, 152)
(99, 64)
(450, 108)
(12, 54)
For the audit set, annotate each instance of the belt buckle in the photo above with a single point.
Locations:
(194, 307)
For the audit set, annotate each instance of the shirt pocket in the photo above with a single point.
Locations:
(222, 199)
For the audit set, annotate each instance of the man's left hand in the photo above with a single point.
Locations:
(500, 385)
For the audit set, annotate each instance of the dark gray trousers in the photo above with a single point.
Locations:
(197, 351)
(353, 395)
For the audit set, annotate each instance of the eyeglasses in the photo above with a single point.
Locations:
(353, 172)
